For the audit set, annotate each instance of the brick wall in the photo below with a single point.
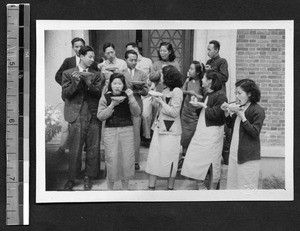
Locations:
(260, 56)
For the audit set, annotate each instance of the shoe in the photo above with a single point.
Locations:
(69, 185)
(87, 183)
(137, 166)
(60, 151)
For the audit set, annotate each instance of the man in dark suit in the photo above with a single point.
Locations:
(77, 44)
(216, 62)
(132, 75)
(71, 62)
(81, 89)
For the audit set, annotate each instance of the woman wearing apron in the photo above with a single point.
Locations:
(206, 145)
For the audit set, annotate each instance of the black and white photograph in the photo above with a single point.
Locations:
(164, 111)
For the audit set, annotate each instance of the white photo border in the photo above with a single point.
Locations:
(43, 196)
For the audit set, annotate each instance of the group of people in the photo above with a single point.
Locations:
(127, 96)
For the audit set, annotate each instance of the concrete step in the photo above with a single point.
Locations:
(57, 175)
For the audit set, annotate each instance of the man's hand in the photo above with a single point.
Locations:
(76, 76)
(87, 79)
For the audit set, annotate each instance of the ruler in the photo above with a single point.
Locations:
(17, 115)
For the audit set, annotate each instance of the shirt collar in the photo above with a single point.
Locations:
(77, 60)
(131, 70)
(81, 69)
(216, 57)
(112, 62)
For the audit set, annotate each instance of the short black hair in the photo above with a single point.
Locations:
(216, 83)
(216, 44)
(77, 39)
(106, 45)
(171, 77)
(249, 86)
(133, 44)
(85, 49)
(130, 52)
(169, 46)
(117, 76)
(200, 68)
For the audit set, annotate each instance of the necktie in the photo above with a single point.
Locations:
(131, 73)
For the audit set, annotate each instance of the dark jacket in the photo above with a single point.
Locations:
(221, 66)
(249, 141)
(68, 64)
(214, 115)
(75, 95)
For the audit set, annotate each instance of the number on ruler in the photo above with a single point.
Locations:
(11, 120)
(12, 63)
(27, 54)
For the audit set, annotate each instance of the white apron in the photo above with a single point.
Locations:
(205, 149)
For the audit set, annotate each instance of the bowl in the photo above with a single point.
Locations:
(85, 73)
(155, 93)
(138, 84)
(111, 69)
(118, 98)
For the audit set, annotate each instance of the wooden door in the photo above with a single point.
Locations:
(118, 37)
(181, 40)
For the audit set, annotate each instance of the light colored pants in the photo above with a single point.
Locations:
(137, 138)
(147, 117)
(243, 176)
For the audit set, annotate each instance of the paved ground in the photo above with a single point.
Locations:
(56, 174)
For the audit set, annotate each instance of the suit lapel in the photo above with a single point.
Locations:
(127, 76)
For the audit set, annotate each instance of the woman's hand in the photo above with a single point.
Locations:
(241, 114)
(100, 66)
(157, 99)
(129, 93)
(224, 107)
(114, 103)
(234, 108)
(198, 104)
(199, 97)
(237, 110)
